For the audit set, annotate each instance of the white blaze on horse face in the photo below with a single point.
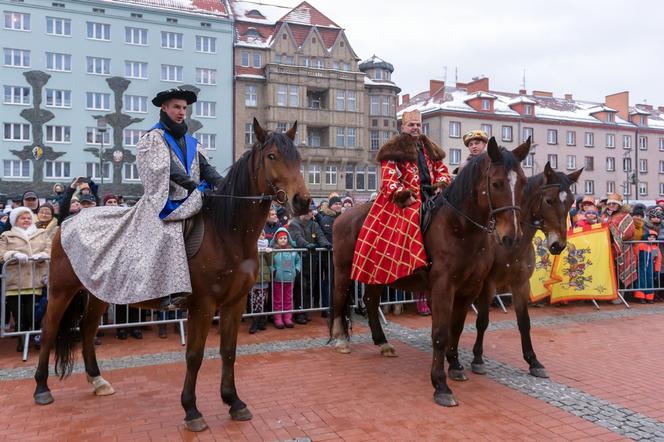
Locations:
(512, 177)
(563, 196)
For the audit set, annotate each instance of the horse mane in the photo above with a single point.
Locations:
(241, 181)
(463, 186)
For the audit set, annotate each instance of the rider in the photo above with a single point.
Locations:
(476, 142)
(390, 245)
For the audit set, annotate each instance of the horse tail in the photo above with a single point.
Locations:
(68, 335)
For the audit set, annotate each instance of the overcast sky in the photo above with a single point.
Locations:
(589, 48)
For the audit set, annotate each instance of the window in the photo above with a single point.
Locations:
(57, 169)
(627, 164)
(627, 188)
(17, 21)
(314, 136)
(208, 141)
(661, 189)
(136, 69)
(528, 161)
(130, 172)
(610, 164)
(455, 129)
(378, 74)
(643, 188)
(94, 136)
(589, 163)
(589, 139)
(99, 31)
(340, 103)
(627, 141)
(351, 103)
(643, 165)
(661, 144)
(314, 174)
(351, 136)
(385, 135)
(18, 58)
(374, 108)
(98, 65)
(131, 137)
(205, 44)
(341, 137)
(643, 143)
(553, 160)
(206, 109)
(350, 177)
(345, 66)
(528, 132)
(305, 62)
(571, 162)
(58, 62)
(97, 101)
(171, 40)
(58, 134)
(17, 95)
(136, 36)
(552, 136)
(489, 129)
(486, 104)
(206, 76)
(528, 109)
(282, 92)
(256, 60)
(610, 118)
(455, 156)
(506, 133)
(293, 96)
(386, 106)
(16, 132)
(425, 129)
(331, 175)
(374, 142)
(171, 72)
(92, 170)
(610, 141)
(372, 180)
(135, 103)
(58, 26)
(16, 169)
(610, 187)
(589, 187)
(282, 127)
(661, 166)
(248, 133)
(58, 98)
(244, 58)
(643, 120)
(250, 96)
(571, 138)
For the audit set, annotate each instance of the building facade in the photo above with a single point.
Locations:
(620, 147)
(295, 64)
(78, 77)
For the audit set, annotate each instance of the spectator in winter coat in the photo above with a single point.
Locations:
(46, 220)
(286, 266)
(272, 224)
(260, 291)
(31, 201)
(621, 226)
(328, 215)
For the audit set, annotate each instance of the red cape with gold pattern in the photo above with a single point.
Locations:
(390, 246)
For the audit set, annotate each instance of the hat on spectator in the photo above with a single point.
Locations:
(659, 201)
(176, 92)
(587, 201)
(652, 233)
(83, 186)
(87, 199)
(347, 200)
(14, 214)
(409, 117)
(475, 135)
(108, 196)
(614, 198)
(334, 200)
(281, 233)
(639, 210)
(655, 212)
(30, 194)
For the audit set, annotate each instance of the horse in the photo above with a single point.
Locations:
(476, 210)
(547, 200)
(222, 273)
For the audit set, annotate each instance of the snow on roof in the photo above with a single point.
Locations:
(385, 83)
(267, 13)
(521, 99)
(637, 111)
(480, 94)
(306, 14)
(206, 7)
(600, 108)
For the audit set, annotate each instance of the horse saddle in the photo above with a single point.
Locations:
(194, 229)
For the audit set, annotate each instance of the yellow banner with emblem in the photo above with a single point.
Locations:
(584, 270)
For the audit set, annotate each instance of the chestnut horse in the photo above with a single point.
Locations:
(222, 273)
(476, 211)
(547, 200)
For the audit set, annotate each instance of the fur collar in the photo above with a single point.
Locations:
(403, 148)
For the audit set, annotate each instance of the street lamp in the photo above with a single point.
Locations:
(626, 186)
(532, 158)
(101, 128)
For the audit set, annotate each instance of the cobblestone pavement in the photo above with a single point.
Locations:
(300, 388)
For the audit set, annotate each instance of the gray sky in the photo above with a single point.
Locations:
(589, 48)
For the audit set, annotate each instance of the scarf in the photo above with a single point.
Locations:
(26, 233)
(178, 130)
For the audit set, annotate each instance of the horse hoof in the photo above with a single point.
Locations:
(343, 349)
(105, 390)
(445, 400)
(539, 372)
(196, 425)
(457, 374)
(388, 351)
(43, 398)
(241, 415)
(478, 368)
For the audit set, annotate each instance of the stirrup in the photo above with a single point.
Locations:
(171, 302)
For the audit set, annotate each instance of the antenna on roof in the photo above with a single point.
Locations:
(523, 81)
(456, 75)
(445, 74)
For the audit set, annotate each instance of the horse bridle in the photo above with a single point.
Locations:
(538, 223)
(279, 195)
(490, 226)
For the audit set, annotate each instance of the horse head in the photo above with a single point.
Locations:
(279, 168)
(552, 205)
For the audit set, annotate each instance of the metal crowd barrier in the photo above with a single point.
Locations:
(649, 278)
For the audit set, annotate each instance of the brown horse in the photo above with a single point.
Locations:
(547, 200)
(477, 210)
(222, 273)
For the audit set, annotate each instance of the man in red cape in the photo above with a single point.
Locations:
(390, 246)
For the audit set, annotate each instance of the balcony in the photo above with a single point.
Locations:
(281, 73)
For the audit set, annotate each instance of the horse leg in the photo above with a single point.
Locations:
(89, 326)
(198, 325)
(442, 298)
(481, 324)
(372, 301)
(229, 324)
(520, 294)
(339, 322)
(455, 370)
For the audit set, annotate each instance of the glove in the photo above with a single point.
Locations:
(22, 257)
(311, 247)
(40, 256)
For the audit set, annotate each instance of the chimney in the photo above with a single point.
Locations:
(619, 102)
(435, 87)
(644, 106)
(542, 94)
(568, 97)
(405, 98)
(523, 92)
(661, 109)
(479, 85)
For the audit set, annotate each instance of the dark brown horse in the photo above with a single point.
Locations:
(222, 273)
(547, 200)
(459, 243)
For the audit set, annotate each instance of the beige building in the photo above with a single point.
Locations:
(295, 64)
(620, 146)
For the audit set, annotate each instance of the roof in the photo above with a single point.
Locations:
(203, 7)
(306, 14)
(375, 62)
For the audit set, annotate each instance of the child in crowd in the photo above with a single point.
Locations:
(260, 290)
(286, 265)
